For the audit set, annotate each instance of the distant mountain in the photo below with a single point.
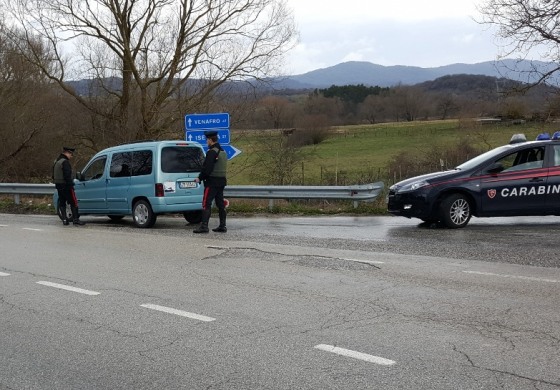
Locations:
(366, 73)
(369, 74)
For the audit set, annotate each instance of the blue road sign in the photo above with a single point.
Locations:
(231, 151)
(198, 136)
(207, 121)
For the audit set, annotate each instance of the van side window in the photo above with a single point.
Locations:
(120, 164)
(95, 169)
(177, 159)
(142, 161)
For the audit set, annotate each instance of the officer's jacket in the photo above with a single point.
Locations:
(213, 172)
(62, 171)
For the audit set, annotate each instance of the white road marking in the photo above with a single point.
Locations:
(178, 312)
(513, 276)
(4, 274)
(33, 230)
(69, 288)
(355, 355)
(3, 225)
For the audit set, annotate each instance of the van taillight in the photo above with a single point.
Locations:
(159, 190)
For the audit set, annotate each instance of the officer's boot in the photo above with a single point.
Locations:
(222, 228)
(62, 214)
(76, 216)
(203, 228)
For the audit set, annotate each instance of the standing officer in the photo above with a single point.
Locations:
(62, 177)
(213, 174)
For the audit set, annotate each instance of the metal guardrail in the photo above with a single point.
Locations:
(356, 193)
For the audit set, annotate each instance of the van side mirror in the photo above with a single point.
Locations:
(79, 176)
(495, 168)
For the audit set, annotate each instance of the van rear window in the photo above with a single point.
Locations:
(177, 159)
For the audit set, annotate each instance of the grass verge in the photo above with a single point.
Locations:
(43, 205)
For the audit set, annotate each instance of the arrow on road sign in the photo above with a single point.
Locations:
(230, 150)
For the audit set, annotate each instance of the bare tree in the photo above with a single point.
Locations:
(277, 159)
(526, 27)
(152, 60)
(408, 102)
(274, 109)
(373, 109)
(24, 101)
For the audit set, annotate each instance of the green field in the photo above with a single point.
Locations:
(360, 154)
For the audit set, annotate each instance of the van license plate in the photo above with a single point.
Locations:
(187, 184)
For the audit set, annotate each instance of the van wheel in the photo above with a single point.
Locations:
(193, 217)
(455, 211)
(68, 216)
(143, 215)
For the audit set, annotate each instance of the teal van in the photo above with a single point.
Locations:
(143, 179)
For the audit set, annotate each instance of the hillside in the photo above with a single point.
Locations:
(367, 73)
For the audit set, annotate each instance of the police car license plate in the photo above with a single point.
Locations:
(187, 184)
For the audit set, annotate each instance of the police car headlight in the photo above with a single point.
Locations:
(413, 186)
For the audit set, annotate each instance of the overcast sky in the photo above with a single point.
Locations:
(424, 33)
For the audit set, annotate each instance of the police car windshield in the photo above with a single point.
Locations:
(474, 162)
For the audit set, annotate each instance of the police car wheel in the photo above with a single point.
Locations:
(143, 215)
(455, 211)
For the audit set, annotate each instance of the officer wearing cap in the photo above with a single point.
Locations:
(213, 175)
(62, 177)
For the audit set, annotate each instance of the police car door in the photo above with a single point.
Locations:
(553, 188)
(515, 184)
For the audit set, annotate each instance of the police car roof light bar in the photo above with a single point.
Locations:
(517, 138)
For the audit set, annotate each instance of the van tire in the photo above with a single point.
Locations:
(143, 215)
(193, 217)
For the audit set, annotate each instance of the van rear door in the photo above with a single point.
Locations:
(180, 166)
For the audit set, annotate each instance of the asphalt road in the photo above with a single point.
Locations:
(279, 303)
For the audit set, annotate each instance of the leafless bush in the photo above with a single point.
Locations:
(437, 157)
(311, 130)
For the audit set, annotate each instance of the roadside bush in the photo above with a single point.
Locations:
(437, 157)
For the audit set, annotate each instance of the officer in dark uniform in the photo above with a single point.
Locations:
(62, 177)
(213, 175)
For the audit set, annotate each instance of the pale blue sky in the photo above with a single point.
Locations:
(425, 33)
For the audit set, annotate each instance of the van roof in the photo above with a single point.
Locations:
(150, 144)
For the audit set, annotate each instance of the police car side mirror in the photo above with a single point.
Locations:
(495, 168)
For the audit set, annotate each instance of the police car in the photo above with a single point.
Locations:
(521, 178)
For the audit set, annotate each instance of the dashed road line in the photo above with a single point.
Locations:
(68, 288)
(178, 312)
(4, 274)
(33, 230)
(356, 355)
(534, 279)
